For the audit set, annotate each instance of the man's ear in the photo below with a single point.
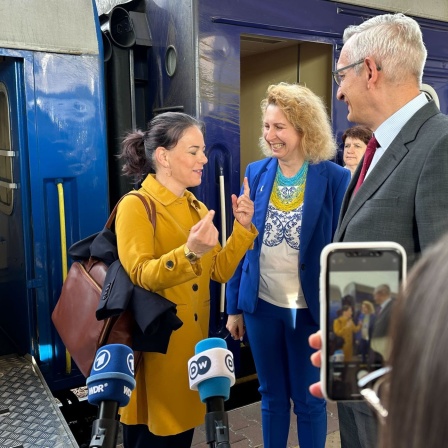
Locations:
(372, 69)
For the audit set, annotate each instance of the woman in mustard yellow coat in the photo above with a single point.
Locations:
(177, 260)
(345, 328)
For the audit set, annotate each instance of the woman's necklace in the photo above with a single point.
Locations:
(288, 192)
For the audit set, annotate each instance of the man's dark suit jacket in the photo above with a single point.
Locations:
(382, 320)
(404, 199)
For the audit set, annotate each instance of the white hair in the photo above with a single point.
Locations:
(394, 41)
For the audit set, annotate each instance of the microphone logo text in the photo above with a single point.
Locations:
(127, 391)
(229, 363)
(97, 389)
(200, 367)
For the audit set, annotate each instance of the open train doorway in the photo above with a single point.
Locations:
(15, 296)
(268, 60)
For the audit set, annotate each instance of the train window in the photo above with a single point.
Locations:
(6, 180)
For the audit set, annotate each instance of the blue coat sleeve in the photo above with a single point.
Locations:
(233, 285)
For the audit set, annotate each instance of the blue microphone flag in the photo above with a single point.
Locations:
(211, 371)
(112, 375)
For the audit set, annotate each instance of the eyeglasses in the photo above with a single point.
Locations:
(338, 78)
(372, 395)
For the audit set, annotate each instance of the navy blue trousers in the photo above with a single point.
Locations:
(279, 342)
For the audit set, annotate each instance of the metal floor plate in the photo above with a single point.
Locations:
(29, 416)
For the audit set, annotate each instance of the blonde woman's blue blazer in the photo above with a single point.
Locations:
(326, 184)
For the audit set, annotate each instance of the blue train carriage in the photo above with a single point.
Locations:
(53, 181)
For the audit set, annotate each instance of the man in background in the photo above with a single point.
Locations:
(380, 332)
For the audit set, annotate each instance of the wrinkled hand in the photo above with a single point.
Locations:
(203, 235)
(235, 325)
(243, 207)
(315, 341)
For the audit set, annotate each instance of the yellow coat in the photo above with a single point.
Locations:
(345, 329)
(162, 399)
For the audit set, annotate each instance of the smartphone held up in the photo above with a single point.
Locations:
(359, 283)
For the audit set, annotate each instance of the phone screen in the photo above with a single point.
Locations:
(361, 288)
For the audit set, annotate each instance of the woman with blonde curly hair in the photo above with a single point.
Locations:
(297, 194)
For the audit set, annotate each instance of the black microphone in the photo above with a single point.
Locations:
(211, 372)
(110, 385)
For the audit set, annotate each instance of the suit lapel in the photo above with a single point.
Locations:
(382, 170)
(262, 194)
(315, 188)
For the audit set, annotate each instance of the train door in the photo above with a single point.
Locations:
(15, 296)
(265, 60)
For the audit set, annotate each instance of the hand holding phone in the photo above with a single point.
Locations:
(362, 280)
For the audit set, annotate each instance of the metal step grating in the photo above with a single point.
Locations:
(29, 416)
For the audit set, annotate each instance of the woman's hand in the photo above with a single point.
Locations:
(203, 235)
(235, 325)
(243, 207)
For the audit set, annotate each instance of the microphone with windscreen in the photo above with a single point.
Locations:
(211, 372)
(110, 385)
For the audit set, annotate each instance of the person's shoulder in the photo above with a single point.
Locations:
(335, 170)
(259, 164)
(440, 120)
(256, 168)
(431, 135)
(133, 197)
(136, 201)
(430, 118)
